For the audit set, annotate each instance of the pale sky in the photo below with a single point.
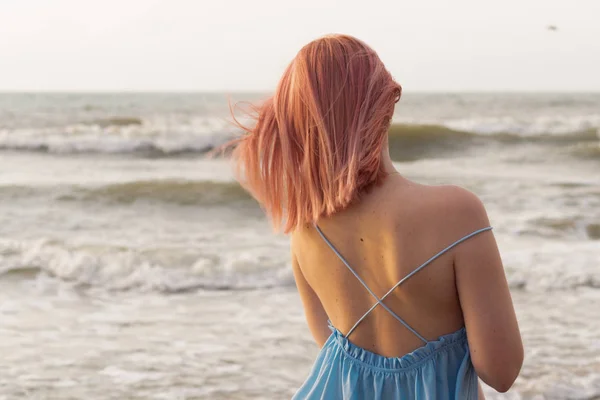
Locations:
(244, 45)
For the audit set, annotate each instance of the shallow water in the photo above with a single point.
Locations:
(236, 344)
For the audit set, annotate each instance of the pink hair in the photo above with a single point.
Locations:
(317, 142)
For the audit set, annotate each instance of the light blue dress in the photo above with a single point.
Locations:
(440, 369)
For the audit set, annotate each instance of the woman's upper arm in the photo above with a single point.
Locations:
(316, 317)
(492, 329)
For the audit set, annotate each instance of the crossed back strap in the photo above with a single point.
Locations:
(380, 300)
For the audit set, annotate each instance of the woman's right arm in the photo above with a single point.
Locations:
(492, 329)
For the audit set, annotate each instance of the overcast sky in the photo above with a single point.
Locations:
(235, 45)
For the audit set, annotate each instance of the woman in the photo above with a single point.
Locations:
(402, 284)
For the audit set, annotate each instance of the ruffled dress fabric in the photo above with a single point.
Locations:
(440, 370)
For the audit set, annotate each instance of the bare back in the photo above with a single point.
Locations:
(388, 234)
(393, 229)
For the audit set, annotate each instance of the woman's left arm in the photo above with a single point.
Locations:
(313, 309)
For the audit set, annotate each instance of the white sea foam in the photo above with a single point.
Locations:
(530, 127)
(129, 270)
(539, 267)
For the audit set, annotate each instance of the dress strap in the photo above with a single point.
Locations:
(380, 300)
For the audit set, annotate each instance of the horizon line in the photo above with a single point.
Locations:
(200, 91)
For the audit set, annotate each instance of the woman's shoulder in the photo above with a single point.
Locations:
(459, 199)
(451, 206)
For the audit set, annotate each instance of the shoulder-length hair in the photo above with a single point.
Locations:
(317, 142)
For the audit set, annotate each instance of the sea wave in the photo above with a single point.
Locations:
(141, 148)
(576, 227)
(132, 135)
(130, 269)
(169, 191)
(589, 150)
(117, 121)
(174, 191)
(121, 135)
(430, 133)
(228, 193)
(160, 146)
(535, 125)
(411, 142)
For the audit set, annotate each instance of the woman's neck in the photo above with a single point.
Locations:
(388, 164)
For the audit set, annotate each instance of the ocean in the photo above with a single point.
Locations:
(132, 266)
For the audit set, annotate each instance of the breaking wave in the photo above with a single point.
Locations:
(132, 269)
(410, 142)
(131, 135)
